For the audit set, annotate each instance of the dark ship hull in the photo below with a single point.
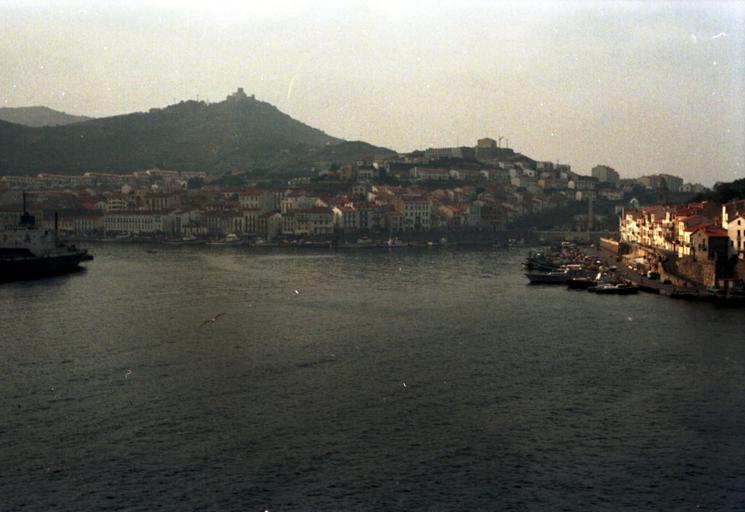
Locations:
(19, 267)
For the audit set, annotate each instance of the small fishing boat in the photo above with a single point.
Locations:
(615, 289)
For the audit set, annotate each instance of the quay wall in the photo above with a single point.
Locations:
(687, 271)
(614, 246)
(683, 272)
(576, 236)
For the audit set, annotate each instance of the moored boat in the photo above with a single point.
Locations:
(185, 240)
(230, 239)
(580, 283)
(27, 252)
(615, 289)
(395, 242)
(553, 277)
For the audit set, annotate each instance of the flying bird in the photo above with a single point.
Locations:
(720, 34)
(212, 320)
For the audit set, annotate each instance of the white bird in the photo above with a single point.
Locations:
(720, 34)
(127, 373)
(212, 320)
(297, 292)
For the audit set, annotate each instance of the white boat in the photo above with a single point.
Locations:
(395, 242)
(615, 289)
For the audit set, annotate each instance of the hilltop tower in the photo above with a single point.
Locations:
(238, 95)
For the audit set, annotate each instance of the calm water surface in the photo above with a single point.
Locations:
(432, 380)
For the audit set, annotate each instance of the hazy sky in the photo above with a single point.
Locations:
(643, 87)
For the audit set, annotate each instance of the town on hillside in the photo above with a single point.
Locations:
(456, 193)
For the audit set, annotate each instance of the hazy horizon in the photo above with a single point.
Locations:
(642, 87)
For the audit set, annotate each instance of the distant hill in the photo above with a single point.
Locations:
(38, 116)
(238, 134)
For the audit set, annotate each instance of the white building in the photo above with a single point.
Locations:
(136, 222)
(417, 212)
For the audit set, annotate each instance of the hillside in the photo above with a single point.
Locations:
(38, 116)
(724, 192)
(237, 134)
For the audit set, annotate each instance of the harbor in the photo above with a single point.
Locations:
(296, 401)
(601, 269)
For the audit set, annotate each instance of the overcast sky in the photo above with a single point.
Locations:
(643, 87)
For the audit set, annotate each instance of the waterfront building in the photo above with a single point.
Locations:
(78, 221)
(186, 222)
(85, 223)
(371, 216)
(393, 220)
(736, 234)
(417, 212)
(733, 221)
(270, 225)
(709, 242)
(317, 220)
(730, 210)
(223, 222)
(136, 222)
(251, 218)
(346, 218)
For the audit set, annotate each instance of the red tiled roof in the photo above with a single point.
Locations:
(712, 231)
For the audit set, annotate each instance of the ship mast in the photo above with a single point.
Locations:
(27, 220)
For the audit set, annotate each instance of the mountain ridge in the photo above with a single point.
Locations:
(237, 134)
(38, 116)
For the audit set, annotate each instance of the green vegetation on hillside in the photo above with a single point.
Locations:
(724, 192)
(234, 135)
